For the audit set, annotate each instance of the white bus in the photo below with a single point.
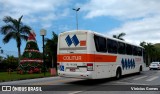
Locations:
(90, 55)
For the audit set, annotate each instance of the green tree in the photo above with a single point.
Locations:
(12, 62)
(51, 48)
(143, 44)
(1, 58)
(119, 36)
(9, 62)
(150, 51)
(15, 29)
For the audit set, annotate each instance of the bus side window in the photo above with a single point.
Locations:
(139, 51)
(100, 43)
(121, 48)
(112, 46)
(129, 50)
(135, 50)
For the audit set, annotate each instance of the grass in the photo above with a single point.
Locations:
(4, 76)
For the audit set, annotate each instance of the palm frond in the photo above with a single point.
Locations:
(19, 23)
(46, 39)
(114, 36)
(55, 37)
(121, 35)
(9, 36)
(13, 22)
(143, 44)
(25, 29)
(7, 28)
(24, 37)
(8, 19)
(19, 20)
(120, 38)
(53, 40)
(49, 42)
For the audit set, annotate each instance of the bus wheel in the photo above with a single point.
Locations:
(118, 73)
(140, 69)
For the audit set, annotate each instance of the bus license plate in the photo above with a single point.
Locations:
(72, 70)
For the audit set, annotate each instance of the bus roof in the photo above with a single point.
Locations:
(93, 32)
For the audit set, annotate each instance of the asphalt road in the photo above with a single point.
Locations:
(101, 86)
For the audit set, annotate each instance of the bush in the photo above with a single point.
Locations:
(4, 65)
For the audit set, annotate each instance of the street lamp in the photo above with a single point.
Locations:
(77, 15)
(43, 33)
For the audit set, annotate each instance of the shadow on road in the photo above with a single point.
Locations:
(90, 82)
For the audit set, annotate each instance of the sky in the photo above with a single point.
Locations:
(139, 19)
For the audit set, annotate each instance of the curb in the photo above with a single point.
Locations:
(1, 81)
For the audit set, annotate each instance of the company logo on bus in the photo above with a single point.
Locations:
(70, 40)
(128, 64)
(72, 58)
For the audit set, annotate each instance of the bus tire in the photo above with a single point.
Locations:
(140, 70)
(118, 73)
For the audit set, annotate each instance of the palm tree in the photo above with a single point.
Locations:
(119, 36)
(15, 29)
(51, 48)
(143, 44)
(150, 51)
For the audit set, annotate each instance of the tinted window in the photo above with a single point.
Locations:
(112, 46)
(121, 48)
(139, 51)
(135, 50)
(128, 49)
(100, 44)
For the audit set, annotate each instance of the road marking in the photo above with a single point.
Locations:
(128, 78)
(153, 78)
(140, 77)
(75, 92)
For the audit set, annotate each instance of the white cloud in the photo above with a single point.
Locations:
(34, 10)
(147, 29)
(121, 9)
(141, 18)
(31, 6)
(46, 25)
